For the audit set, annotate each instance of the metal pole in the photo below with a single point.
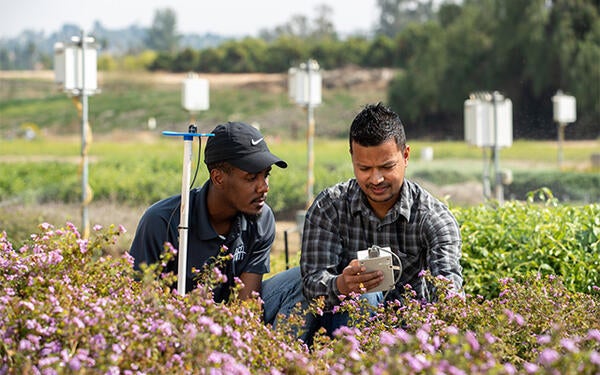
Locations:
(561, 139)
(310, 139)
(486, 175)
(85, 198)
(185, 209)
(286, 249)
(184, 214)
(498, 180)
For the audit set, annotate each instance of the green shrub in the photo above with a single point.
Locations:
(526, 238)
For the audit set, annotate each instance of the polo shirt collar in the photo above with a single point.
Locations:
(205, 231)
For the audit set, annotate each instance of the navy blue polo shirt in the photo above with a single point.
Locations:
(249, 240)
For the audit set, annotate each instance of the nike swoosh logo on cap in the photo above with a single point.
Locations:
(254, 143)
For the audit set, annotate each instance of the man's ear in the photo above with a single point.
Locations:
(217, 176)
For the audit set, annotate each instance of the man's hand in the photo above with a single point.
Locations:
(252, 283)
(355, 279)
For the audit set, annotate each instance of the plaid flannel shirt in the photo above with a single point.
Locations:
(418, 228)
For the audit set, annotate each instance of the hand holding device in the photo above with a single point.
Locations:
(377, 258)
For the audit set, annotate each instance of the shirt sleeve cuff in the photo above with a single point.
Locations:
(335, 292)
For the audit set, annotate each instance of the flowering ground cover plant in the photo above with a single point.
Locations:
(67, 307)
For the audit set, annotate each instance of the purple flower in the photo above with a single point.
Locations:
(595, 358)
(166, 328)
(78, 323)
(387, 338)
(472, 340)
(98, 342)
(519, 319)
(128, 258)
(27, 304)
(422, 336)
(402, 335)
(594, 334)
(489, 338)
(73, 229)
(218, 357)
(170, 248)
(25, 344)
(82, 245)
(75, 364)
(216, 329)
(531, 367)
(417, 363)
(548, 357)
(219, 276)
(456, 371)
(46, 226)
(510, 368)
(48, 361)
(213, 327)
(569, 344)
(544, 339)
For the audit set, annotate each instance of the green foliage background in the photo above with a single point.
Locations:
(520, 239)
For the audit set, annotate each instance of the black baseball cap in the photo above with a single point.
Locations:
(241, 145)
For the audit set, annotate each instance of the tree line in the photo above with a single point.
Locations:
(525, 49)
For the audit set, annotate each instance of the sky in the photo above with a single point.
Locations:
(224, 17)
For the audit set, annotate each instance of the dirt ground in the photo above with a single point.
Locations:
(346, 77)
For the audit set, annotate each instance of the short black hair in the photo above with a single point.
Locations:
(376, 124)
(222, 165)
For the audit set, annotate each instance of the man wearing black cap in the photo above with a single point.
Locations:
(228, 210)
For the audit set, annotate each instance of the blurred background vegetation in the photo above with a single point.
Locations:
(439, 52)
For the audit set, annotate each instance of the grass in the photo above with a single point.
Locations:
(123, 144)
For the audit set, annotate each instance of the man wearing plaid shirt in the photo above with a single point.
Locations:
(377, 207)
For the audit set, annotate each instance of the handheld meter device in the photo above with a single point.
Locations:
(377, 258)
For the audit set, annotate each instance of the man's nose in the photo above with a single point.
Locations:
(263, 185)
(376, 176)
